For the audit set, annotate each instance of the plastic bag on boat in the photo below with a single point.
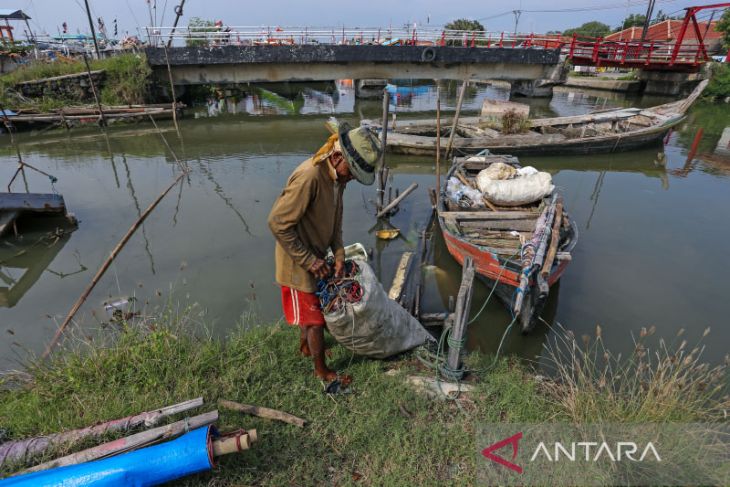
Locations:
(499, 171)
(518, 191)
(458, 192)
(376, 326)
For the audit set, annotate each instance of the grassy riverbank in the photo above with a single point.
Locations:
(386, 433)
(127, 81)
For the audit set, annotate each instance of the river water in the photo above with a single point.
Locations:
(650, 253)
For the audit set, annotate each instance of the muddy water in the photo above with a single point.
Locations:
(651, 248)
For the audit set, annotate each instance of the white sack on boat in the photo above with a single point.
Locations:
(499, 171)
(518, 191)
(376, 326)
(526, 171)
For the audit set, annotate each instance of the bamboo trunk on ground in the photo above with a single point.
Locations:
(262, 412)
(23, 450)
(132, 442)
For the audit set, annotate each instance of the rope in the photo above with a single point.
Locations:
(494, 287)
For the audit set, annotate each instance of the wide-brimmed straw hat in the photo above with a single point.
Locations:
(362, 151)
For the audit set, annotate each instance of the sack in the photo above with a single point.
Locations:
(518, 191)
(376, 326)
(498, 170)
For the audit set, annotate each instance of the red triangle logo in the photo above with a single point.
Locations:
(512, 440)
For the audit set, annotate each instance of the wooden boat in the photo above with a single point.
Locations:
(525, 249)
(606, 131)
(74, 116)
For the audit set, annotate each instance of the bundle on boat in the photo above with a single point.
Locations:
(510, 220)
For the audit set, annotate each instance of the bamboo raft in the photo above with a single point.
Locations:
(607, 131)
(522, 251)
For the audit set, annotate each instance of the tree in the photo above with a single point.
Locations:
(464, 24)
(723, 25)
(198, 25)
(633, 20)
(589, 29)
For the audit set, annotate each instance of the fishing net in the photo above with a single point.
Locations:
(362, 318)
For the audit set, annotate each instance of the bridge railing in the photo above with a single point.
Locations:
(248, 35)
(597, 51)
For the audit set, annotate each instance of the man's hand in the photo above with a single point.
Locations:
(339, 268)
(320, 269)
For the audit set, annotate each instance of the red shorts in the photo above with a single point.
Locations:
(301, 308)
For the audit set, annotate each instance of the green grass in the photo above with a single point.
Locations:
(127, 80)
(385, 433)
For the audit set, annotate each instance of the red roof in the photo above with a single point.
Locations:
(667, 30)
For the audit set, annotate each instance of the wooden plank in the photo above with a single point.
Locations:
(463, 306)
(490, 215)
(39, 202)
(6, 220)
(517, 225)
(400, 276)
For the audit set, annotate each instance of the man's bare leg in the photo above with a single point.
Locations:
(303, 345)
(315, 340)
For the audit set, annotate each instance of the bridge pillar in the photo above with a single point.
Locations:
(539, 88)
(670, 83)
(369, 88)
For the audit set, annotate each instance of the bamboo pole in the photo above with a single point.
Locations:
(383, 144)
(554, 240)
(128, 443)
(172, 89)
(106, 264)
(396, 201)
(456, 335)
(262, 412)
(22, 450)
(438, 139)
(178, 14)
(93, 90)
(456, 118)
(93, 31)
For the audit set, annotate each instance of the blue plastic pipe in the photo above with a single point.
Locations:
(154, 465)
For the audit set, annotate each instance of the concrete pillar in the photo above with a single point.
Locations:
(369, 88)
(539, 88)
(669, 83)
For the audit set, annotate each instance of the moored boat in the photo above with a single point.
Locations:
(607, 131)
(520, 250)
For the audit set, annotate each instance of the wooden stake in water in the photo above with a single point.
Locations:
(438, 139)
(456, 118)
(102, 119)
(383, 142)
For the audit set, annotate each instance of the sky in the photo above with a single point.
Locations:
(537, 15)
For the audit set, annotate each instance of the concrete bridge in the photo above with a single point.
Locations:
(230, 64)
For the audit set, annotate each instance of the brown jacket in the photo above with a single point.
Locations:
(306, 220)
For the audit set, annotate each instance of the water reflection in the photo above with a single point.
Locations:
(24, 260)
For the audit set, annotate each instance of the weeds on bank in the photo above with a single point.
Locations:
(127, 80)
(670, 383)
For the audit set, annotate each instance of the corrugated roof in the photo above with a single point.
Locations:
(10, 14)
(667, 30)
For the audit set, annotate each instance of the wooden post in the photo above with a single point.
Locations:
(456, 118)
(395, 202)
(438, 138)
(463, 305)
(383, 143)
